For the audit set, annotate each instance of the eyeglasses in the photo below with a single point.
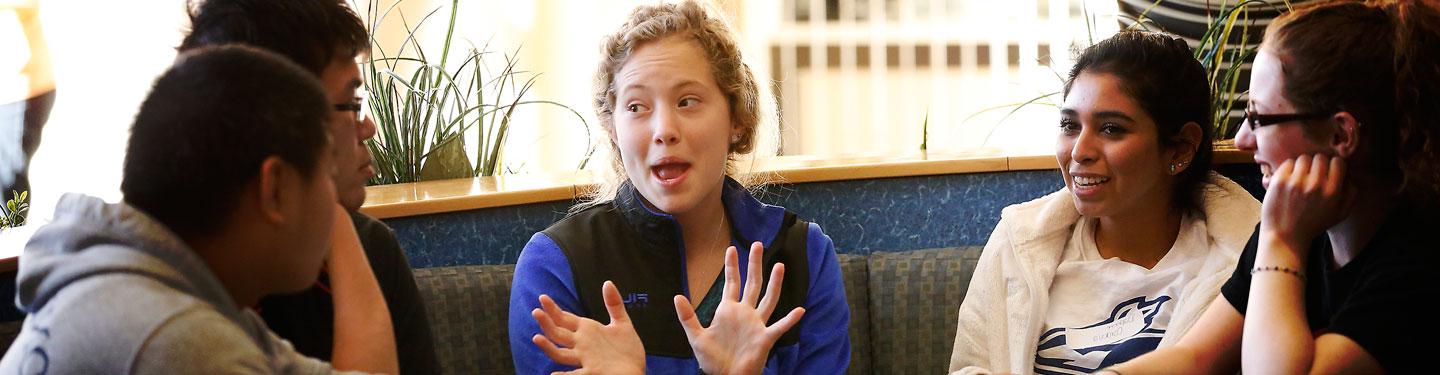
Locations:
(360, 106)
(1255, 120)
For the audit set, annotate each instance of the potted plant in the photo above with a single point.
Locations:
(422, 115)
(1227, 43)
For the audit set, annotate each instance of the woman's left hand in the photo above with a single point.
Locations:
(737, 341)
(1306, 196)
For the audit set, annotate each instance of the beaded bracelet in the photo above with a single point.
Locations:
(1279, 269)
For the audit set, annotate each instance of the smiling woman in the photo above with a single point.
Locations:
(1347, 229)
(1142, 228)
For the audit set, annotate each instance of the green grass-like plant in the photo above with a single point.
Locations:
(423, 114)
(1224, 61)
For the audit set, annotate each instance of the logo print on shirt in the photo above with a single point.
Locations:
(1126, 334)
(636, 300)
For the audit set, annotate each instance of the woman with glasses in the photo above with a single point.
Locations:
(1125, 257)
(1343, 121)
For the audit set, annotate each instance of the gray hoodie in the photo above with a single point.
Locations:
(109, 290)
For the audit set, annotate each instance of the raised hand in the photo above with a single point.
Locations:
(737, 341)
(1306, 196)
(595, 348)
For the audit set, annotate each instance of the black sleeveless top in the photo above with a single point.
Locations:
(641, 252)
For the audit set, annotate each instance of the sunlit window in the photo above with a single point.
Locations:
(849, 77)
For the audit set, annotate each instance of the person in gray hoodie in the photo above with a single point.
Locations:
(226, 183)
(326, 38)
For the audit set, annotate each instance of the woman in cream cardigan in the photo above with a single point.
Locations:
(1126, 256)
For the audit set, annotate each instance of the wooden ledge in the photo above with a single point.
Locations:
(431, 197)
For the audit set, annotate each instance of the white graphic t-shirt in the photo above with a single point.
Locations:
(1106, 311)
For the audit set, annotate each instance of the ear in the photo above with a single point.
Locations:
(1345, 138)
(736, 132)
(1187, 142)
(275, 184)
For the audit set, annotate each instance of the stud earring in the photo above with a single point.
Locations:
(735, 139)
(1172, 168)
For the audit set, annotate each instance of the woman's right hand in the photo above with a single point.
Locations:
(594, 348)
(1305, 196)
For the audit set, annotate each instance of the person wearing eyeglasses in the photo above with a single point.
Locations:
(326, 37)
(1343, 119)
(228, 198)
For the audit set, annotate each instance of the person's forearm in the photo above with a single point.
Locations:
(364, 337)
(1170, 360)
(1277, 338)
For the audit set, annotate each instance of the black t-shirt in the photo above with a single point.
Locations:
(1376, 300)
(307, 319)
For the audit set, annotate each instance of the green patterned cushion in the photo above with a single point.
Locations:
(908, 328)
(915, 296)
(468, 307)
(855, 270)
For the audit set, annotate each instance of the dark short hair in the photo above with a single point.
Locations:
(313, 33)
(208, 124)
(1160, 72)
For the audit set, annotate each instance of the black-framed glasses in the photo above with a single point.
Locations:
(359, 106)
(1255, 120)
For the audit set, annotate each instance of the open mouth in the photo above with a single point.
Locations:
(670, 171)
(1089, 181)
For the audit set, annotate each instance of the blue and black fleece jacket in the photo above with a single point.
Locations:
(643, 253)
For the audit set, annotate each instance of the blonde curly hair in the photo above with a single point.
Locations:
(649, 23)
